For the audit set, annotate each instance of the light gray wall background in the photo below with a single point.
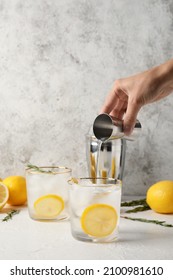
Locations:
(58, 61)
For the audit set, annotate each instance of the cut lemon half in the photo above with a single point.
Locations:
(99, 220)
(4, 194)
(49, 206)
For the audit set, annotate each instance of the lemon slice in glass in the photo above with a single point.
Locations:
(4, 194)
(99, 220)
(49, 206)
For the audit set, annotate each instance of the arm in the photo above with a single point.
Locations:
(128, 95)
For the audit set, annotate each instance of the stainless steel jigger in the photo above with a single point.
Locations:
(105, 127)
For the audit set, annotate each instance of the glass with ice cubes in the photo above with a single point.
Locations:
(95, 208)
(47, 192)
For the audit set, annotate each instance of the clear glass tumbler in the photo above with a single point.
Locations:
(95, 209)
(47, 192)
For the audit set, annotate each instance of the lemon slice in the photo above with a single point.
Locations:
(99, 220)
(49, 206)
(4, 194)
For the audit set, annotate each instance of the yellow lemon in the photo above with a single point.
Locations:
(160, 197)
(49, 206)
(17, 190)
(4, 194)
(99, 220)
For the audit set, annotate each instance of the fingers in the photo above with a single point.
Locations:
(130, 117)
(119, 105)
(110, 103)
(116, 102)
(119, 109)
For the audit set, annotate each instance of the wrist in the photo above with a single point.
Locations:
(164, 74)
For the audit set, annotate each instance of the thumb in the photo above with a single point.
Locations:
(130, 117)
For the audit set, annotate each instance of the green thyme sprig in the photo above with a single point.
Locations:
(139, 209)
(10, 215)
(134, 203)
(156, 222)
(141, 203)
(142, 206)
(38, 169)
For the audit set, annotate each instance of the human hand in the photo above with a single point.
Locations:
(128, 95)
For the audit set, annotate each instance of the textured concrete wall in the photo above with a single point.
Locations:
(58, 61)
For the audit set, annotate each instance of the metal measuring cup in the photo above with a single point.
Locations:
(106, 127)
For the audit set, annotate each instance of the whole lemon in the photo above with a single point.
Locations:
(160, 197)
(17, 190)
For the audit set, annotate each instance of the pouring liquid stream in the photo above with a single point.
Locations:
(98, 158)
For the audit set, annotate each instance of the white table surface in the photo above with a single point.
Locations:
(24, 238)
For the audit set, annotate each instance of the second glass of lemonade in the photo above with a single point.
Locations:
(47, 192)
(95, 209)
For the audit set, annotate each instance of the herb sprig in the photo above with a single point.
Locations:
(134, 203)
(10, 215)
(141, 206)
(139, 209)
(141, 203)
(38, 169)
(161, 223)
